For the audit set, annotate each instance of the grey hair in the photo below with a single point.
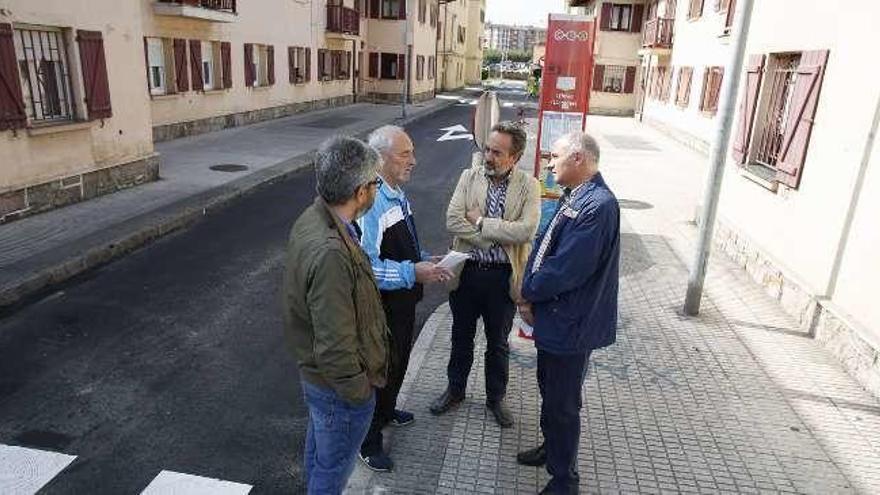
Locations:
(584, 143)
(517, 136)
(382, 139)
(342, 164)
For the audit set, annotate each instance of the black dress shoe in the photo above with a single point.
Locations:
(446, 402)
(533, 457)
(501, 413)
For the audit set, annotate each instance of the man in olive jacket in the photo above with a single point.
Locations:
(334, 321)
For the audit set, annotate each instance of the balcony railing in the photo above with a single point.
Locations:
(343, 20)
(218, 5)
(658, 33)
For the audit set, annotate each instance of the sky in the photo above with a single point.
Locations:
(528, 12)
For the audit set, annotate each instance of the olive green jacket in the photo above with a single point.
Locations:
(334, 321)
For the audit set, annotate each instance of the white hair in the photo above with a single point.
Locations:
(583, 143)
(382, 139)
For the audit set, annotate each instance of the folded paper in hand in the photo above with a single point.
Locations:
(452, 260)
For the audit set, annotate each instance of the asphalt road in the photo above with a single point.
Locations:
(172, 358)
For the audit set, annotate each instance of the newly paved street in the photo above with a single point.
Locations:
(172, 358)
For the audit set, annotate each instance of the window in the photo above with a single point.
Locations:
(660, 83)
(422, 10)
(388, 66)
(390, 9)
(695, 9)
(431, 67)
(462, 35)
(341, 64)
(325, 65)
(711, 89)
(297, 64)
(683, 90)
(612, 80)
(621, 15)
(42, 56)
(482, 16)
(776, 118)
(433, 15)
(420, 67)
(208, 65)
(729, 10)
(157, 57)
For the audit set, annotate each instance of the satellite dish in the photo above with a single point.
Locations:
(486, 114)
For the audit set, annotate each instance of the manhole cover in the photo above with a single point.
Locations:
(632, 204)
(228, 167)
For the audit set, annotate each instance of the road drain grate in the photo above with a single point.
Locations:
(228, 167)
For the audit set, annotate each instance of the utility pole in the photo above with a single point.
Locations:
(717, 156)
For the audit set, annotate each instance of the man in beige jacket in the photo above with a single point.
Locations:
(493, 216)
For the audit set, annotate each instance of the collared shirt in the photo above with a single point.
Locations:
(495, 198)
(561, 207)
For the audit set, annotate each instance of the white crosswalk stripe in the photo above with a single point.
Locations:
(171, 483)
(24, 471)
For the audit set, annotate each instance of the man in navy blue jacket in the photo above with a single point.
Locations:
(570, 284)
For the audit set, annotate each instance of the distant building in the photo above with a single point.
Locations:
(505, 38)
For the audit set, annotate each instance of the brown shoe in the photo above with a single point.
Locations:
(446, 402)
(501, 413)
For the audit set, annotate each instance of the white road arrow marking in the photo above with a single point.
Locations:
(451, 133)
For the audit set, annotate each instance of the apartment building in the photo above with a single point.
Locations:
(617, 64)
(504, 37)
(801, 191)
(474, 42)
(88, 87)
(452, 44)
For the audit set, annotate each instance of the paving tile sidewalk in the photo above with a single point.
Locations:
(737, 400)
(44, 249)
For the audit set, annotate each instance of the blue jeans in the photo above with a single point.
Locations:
(336, 430)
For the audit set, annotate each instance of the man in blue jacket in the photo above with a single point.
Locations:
(570, 284)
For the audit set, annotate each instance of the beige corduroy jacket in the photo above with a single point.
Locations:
(515, 231)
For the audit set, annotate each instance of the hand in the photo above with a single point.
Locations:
(427, 273)
(473, 215)
(435, 259)
(525, 312)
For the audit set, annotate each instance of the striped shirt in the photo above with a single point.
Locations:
(548, 234)
(495, 197)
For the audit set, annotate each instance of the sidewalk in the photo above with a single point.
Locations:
(46, 249)
(736, 400)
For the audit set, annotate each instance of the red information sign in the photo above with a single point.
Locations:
(565, 83)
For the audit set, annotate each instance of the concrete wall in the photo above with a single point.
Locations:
(280, 23)
(35, 156)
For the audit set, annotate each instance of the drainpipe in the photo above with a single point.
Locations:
(717, 157)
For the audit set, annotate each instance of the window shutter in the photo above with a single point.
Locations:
(629, 83)
(638, 14)
(605, 20)
(401, 11)
(181, 74)
(195, 62)
(147, 64)
(308, 64)
(270, 64)
(805, 99)
(748, 104)
(374, 9)
(401, 66)
(598, 77)
(226, 62)
(291, 64)
(12, 112)
(320, 64)
(704, 96)
(374, 65)
(94, 72)
(249, 74)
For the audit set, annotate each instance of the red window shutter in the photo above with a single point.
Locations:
(805, 99)
(226, 62)
(374, 9)
(401, 11)
(250, 75)
(195, 62)
(747, 106)
(629, 83)
(291, 64)
(308, 64)
(401, 66)
(270, 64)
(94, 72)
(638, 14)
(598, 77)
(181, 72)
(12, 112)
(605, 19)
(374, 65)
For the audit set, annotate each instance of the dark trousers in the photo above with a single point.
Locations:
(400, 313)
(483, 292)
(560, 380)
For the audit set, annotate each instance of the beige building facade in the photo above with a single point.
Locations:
(474, 43)
(616, 70)
(452, 45)
(90, 86)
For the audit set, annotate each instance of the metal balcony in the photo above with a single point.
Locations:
(207, 10)
(343, 21)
